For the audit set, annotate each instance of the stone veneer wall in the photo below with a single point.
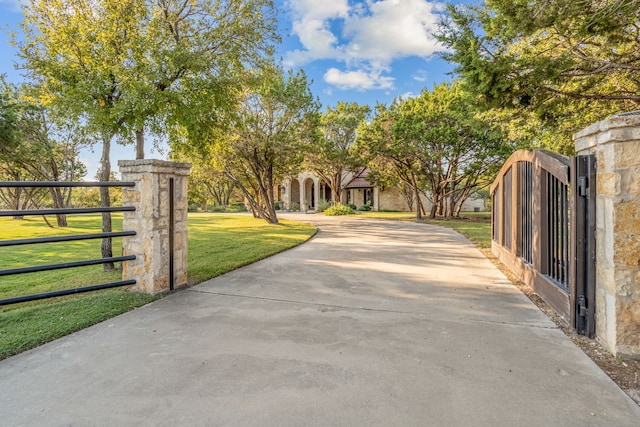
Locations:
(150, 196)
(616, 145)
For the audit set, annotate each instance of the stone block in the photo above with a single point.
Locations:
(627, 154)
(608, 183)
(630, 182)
(628, 320)
(627, 233)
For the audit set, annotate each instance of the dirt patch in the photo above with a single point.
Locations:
(624, 372)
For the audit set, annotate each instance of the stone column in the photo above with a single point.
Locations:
(616, 145)
(151, 222)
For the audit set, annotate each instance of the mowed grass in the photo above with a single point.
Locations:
(475, 226)
(218, 243)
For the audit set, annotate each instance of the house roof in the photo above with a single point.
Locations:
(359, 183)
(360, 180)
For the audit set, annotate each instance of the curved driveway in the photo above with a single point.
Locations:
(369, 323)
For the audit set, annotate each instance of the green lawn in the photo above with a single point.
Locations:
(217, 243)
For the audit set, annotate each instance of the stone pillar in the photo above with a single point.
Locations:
(616, 145)
(151, 222)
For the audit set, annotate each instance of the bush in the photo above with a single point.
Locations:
(236, 207)
(338, 209)
(352, 206)
(295, 207)
(217, 209)
(364, 208)
(323, 205)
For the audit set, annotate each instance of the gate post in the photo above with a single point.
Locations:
(157, 252)
(616, 145)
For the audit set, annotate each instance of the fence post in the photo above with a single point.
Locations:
(616, 145)
(152, 222)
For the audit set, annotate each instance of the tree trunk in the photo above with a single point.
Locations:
(105, 201)
(418, 202)
(435, 204)
(140, 144)
(58, 202)
(335, 189)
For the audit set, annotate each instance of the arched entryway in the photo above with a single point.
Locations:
(309, 194)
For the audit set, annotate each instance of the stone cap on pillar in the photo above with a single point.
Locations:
(154, 166)
(622, 127)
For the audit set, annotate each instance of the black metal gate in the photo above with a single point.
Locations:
(583, 218)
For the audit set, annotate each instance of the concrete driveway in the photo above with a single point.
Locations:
(369, 323)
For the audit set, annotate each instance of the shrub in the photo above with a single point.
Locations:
(364, 208)
(295, 207)
(236, 207)
(323, 205)
(352, 206)
(338, 209)
(217, 209)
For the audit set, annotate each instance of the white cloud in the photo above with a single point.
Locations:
(393, 29)
(358, 79)
(420, 76)
(367, 36)
(408, 95)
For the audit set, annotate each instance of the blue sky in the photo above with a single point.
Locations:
(363, 51)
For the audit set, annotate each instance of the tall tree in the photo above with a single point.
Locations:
(436, 145)
(44, 148)
(553, 59)
(332, 156)
(457, 153)
(266, 138)
(390, 157)
(124, 65)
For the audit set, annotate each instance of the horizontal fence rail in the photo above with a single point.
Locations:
(67, 238)
(67, 211)
(64, 292)
(72, 264)
(56, 239)
(65, 184)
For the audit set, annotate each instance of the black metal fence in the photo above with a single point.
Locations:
(66, 238)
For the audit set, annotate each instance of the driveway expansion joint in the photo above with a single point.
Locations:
(378, 310)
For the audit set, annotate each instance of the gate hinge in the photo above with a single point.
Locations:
(583, 186)
(582, 306)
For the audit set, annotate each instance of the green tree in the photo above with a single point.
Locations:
(123, 65)
(43, 149)
(207, 185)
(391, 159)
(562, 62)
(435, 143)
(457, 153)
(265, 141)
(332, 156)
